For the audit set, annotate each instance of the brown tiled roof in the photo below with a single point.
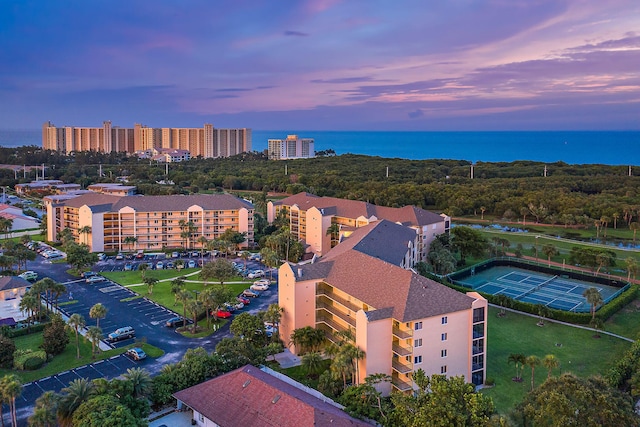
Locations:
(408, 215)
(383, 285)
(158, 203)
(251, 397)
(384, 240)
(13, 282)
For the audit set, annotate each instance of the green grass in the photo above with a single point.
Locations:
(204, 332)
(299, 374)
(626, 322)
(131, 298)
(62, 362)
(73, 301)
(152, 351)
(578, 352)
(133, 277)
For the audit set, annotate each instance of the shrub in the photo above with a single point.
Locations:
(20, 357)
(7, 348)
(15, 333)
(55, 337)
(33, 363)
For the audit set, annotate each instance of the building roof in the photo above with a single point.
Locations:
(251, 397)
(105, 202)
(13, 282)
(384, 240)
(408, 215)
(390, 290)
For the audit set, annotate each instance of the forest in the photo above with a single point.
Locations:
(567, 195)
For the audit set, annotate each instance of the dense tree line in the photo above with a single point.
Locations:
(568, 195)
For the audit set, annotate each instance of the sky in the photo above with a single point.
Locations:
(322, 64)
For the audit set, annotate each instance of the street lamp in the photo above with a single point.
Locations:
(537, 248)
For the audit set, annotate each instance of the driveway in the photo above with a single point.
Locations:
(145, 316)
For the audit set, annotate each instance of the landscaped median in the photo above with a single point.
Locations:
(163, 294)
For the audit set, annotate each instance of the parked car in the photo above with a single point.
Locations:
(195, 254)
(269, 330)
(29, 276)
(262, 282)
(102, 257)
(171, 264)
(175, 254)
(121, 334)
(129, 256)
(174, 322)
(160, 265)
(191, 264)
(94, 279)
(255, 274)
(250, 293)
(128, 267)
(136, 353)
(223, 314)
(120, 256)
(140, 255)
(244, 300)
(259, 287)
(87, 274)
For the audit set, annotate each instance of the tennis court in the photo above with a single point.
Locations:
(553, 290)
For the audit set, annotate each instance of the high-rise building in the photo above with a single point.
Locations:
(292, 147)
(207, 141)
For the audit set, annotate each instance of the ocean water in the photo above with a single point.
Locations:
(574, 147)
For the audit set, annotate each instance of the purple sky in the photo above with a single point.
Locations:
(322, 64)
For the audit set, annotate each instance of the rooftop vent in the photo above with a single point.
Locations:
(246, 383)
(275, 399)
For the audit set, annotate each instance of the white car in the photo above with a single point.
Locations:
(191, 264)
(262, 282)
(29, 275)
(261, 287)
(94, 279)
(255, 274)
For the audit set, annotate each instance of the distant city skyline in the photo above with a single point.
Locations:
(323, 64)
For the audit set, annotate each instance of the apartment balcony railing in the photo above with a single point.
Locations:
(336, 313)
(400, 384)
(331, 323)
(401, 367)
(402, 333)
(401, 351)
(332, 296)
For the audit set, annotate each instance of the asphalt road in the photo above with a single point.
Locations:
(145, 316)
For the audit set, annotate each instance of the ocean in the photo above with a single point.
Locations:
(573, 147)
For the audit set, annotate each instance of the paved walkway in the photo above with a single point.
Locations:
(286, 359)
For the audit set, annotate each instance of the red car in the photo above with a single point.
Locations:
(223, 314)
(244, 300)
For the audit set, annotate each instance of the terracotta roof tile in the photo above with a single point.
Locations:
(251, 397)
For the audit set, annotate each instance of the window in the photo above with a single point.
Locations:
(418, 342)
(443, 353)
(478, 315)
(417, 360)
(443, 337)
(444, 320)
(417, 326)
(443, 369)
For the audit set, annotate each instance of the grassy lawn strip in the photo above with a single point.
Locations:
(299, 374)
(576, 349)
(203, 332)
(626, 322)
(73, 301)
(62, 362)
(132, 277)
(150, 350)
(131, 298)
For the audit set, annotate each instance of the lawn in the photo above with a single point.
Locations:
(62, 362)
(299, 374)
(202, 328)
(133, 277)
(626, 322)
(576, 349)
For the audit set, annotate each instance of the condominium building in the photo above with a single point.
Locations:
(311, 217)
(292, 147)
(401, 320)
(117, 223)
(207, 141)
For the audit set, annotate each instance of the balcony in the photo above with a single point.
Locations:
(401, 351)
(337, 313)
(403, 334)
(332, 296)
(401, 367)
(331, 323)
(400, 384)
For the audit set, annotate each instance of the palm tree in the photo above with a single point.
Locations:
(177, 285)
(44, 413)
(550, 251)
(75, 394)
(615, 217)
(354, 354)
(5, 226)
(130, 240)
(76, 322)
(194, 307)
(533, 361)
(550, 362)
(594, 298)
(142, 268)
(11, 388)
(482, 210)
(98, 311)
(334, 231)
(341, 365)
(150, 282)
(58, 289)
(94, 334)
(519, 360)
(86, 230)
(203, 245)
(634, 227)
(28, 305)
(270, 259)
(45, 285)
(312, 363)
(245, 257)
(273, 314)
(184, 296)
(208, 300)
(632, 268)
(141, 381)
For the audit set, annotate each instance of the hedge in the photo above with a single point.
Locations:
(21, 357)
(14, 333)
